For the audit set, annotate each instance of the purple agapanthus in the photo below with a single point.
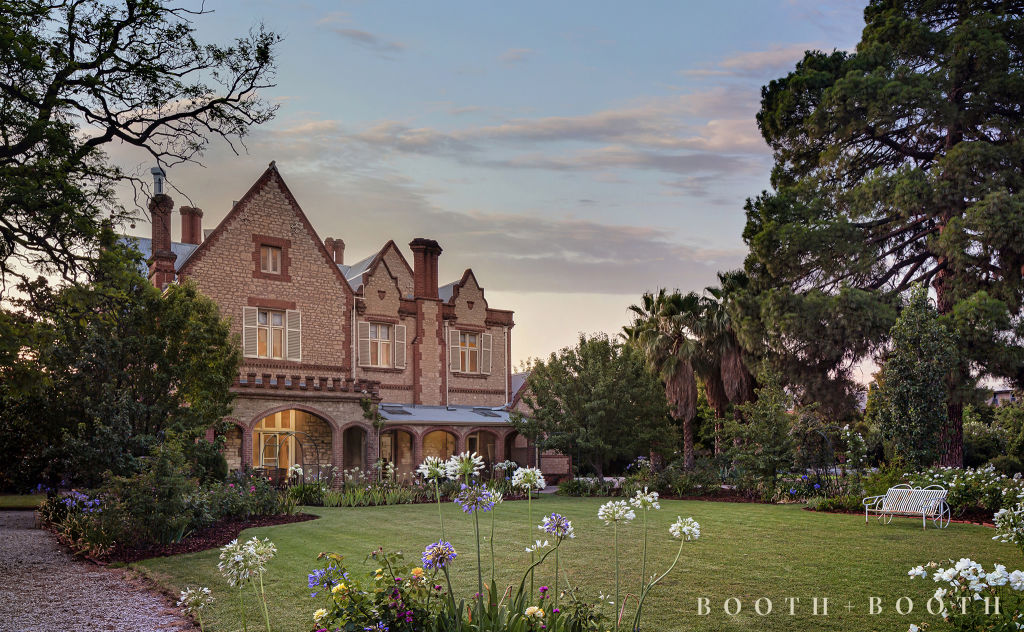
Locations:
(474, 498)
(438, 555)
(325, 578)
(558, 526)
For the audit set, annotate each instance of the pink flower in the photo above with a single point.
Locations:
(231, 484)
(252, 489)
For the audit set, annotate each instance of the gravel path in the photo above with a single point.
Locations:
(42, 588)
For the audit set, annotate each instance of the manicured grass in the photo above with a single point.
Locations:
(21, 501)
(746, 551)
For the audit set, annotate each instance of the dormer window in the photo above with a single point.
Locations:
(270, 259)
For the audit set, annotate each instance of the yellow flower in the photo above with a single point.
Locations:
(534, 611)
(417, 572)
(319, 615)
(339, 588)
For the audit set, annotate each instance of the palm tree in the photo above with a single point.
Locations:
(662, 329)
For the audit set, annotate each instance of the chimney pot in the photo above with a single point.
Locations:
(191, 225)
(336, 248)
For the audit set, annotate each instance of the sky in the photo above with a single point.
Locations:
(573, 154)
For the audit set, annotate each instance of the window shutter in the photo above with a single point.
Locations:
(250, 348)
(456, 363)
(293, 344)
(485, 353)
(364, 343)
(400, 346)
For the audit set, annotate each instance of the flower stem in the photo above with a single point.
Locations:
(479, 564)
(492, 546)
(440, 516)
(643, 564)
(643, 594)
(556, 576)
(241, 608)
(263, 599)
(618, 606)
(529, 513)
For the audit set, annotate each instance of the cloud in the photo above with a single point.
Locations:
(755, 64)
(338, 23)
(516, 55)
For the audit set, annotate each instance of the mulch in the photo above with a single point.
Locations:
(214, 536)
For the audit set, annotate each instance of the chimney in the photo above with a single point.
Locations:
(425, 254)
(191, 225)
(336, 248)
(161, 261)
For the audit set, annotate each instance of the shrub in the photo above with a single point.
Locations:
(308, 493)
(1007, 464)
(583, 486)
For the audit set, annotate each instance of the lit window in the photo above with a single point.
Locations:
(380, 345)
(270, 334)
(469, 352)
(270, 259)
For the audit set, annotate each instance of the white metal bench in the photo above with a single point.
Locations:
(904, 500)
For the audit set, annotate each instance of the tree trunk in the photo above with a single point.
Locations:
(951, 438)
(719, 401)
(681, 391)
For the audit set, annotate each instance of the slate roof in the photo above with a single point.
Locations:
(445, 291)
(145, 245)
(475, 415)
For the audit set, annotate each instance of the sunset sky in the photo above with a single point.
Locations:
(574, 154)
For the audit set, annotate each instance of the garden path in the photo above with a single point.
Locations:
(43, 588)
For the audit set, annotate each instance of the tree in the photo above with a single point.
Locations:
(686, 337)
(898, 164)
(77, 75)
(126, 367)
(596, 400)
(763, 445)
(911, 407)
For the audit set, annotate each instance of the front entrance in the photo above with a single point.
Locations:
(396, 448)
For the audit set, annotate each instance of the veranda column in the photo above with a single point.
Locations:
(417, 447)
(338, 448)
(247, 447)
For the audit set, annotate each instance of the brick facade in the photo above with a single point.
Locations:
(334, 301)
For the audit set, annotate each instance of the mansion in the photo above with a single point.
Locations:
(320, 336)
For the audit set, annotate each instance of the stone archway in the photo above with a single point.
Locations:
(484, 443)
(290, 436)
(355, 444)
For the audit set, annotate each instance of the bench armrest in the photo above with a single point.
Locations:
(871, 501)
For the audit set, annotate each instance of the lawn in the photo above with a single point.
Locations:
(746, 552)
(21, 501)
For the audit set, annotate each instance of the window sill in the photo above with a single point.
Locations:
(477, 376)
(381, 369)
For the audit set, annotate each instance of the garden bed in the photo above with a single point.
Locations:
(981, 518)
(211, 537)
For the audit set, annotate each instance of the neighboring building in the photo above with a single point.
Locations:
(319, 336)
(1003, 396)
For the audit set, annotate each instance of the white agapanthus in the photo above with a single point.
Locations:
(528, 478)
(241, 563)
(645, 500)
(433, 469)
(192, 600)
(687, 529)
(537, 545)
(295, 470)
(917, 571)
(466, 464)
(615, 511)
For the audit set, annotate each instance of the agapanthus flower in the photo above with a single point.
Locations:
(615, 511)
(558, 526)
(538, 545)
(474, 498)
(463, 465)
(687, 529)
(433, 469)
(438, 555)
(194, 599)
(240, 563)
(528, 478)
(645, 500)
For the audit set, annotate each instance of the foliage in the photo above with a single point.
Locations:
(912, 408)
(972, 492)
(967, 595)
(763, 446)
(597, 401)
(842, 504)
(983, 441)
(158, 505)
(690, 343)
(127, 366)
(586, 486)
(1009, 523)
(80, 75)
(894, 166)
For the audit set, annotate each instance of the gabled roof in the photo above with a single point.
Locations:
(270, 175)
(518, 384)
(445, 292)
(357, 272)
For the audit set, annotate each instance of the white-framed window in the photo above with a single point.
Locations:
(270, 259)
(380, 345)
(270, 334)
(469, 352)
